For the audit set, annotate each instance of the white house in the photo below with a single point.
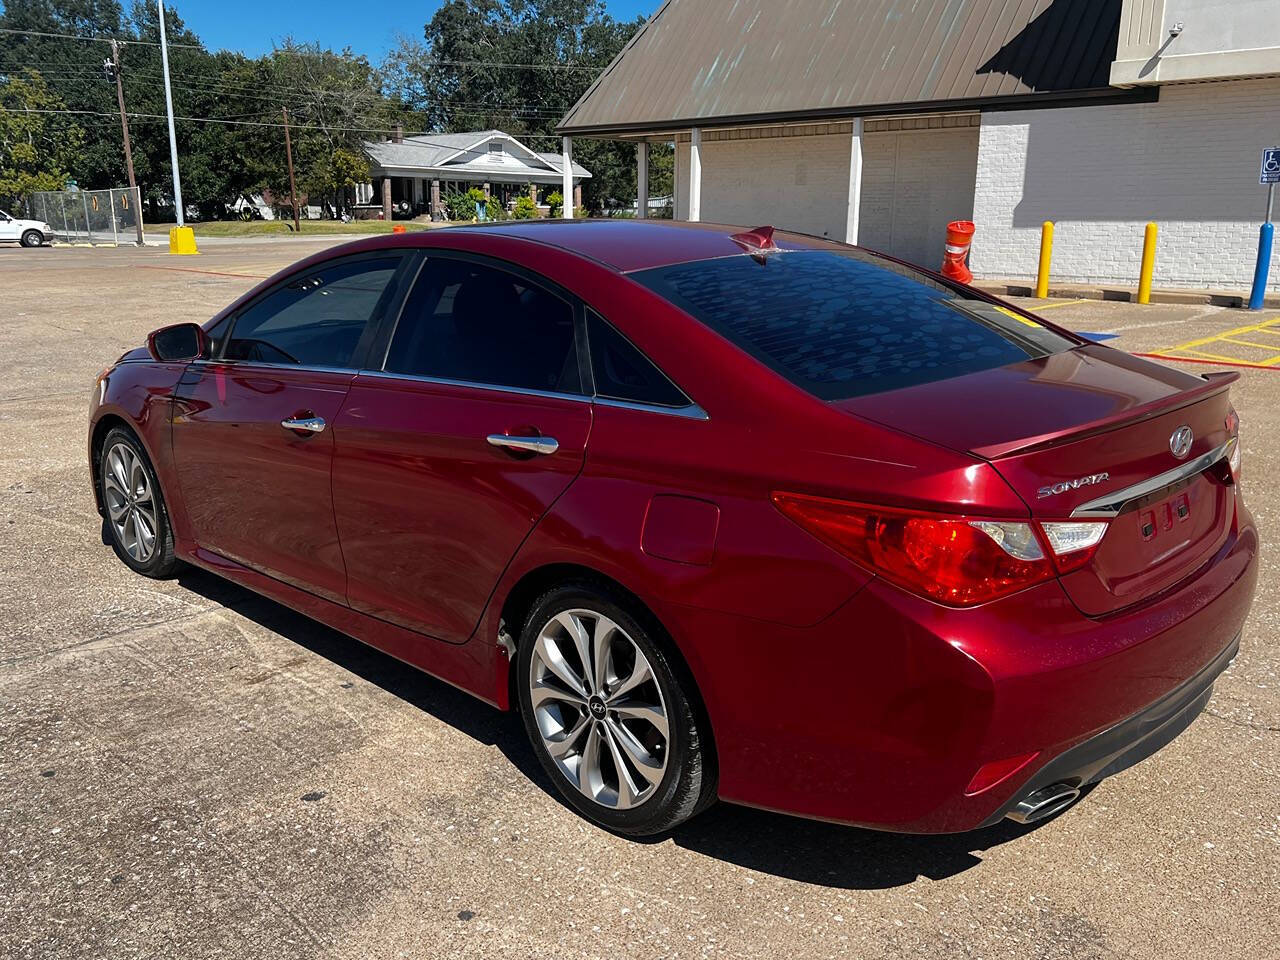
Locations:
(414, 173)
(878, 122)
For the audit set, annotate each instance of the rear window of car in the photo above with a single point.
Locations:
(843, 324)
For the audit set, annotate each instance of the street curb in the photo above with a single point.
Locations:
(1068, 291)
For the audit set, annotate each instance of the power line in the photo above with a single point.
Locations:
(76, 85)
(85, 81)
(73, 36)
(307, 53)
(261, 123)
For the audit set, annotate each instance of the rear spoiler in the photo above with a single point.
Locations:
(1215, 383)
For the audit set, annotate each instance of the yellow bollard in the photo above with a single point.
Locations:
(1148, 264)
(1046, 256)
(182, 240)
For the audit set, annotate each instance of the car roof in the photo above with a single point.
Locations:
(627, 245)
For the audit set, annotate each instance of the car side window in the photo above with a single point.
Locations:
(622, 372)
(316, 319)
(475, 323)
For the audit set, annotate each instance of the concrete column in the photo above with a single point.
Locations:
(695, 175)
(533, 192)
(855, 184)
(386, 198)
(642, 179)
(435, 199)
(566, 190)
(486, 193)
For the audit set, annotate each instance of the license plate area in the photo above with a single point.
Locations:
(1153, 543)
(1161, 513)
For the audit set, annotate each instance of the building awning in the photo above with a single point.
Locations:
(727, 62)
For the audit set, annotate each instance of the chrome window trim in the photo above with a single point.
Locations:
(475, 384)
(303, 367)
(691, 412)
(1112, 503)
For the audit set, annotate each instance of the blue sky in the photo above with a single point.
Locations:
(251, 26)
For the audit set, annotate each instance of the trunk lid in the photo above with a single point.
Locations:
(1081, 426)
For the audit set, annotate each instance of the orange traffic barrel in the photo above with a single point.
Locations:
(956, 252)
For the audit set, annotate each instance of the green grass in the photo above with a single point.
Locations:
(263, 228)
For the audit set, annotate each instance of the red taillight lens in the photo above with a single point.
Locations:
(959, 562)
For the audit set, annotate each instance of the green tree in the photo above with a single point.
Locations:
(37, 144)
(72, 70)
(228, 106)
(517, 65)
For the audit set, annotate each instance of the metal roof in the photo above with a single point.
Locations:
(700, 62)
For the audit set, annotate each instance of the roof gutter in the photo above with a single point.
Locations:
(1094, 96)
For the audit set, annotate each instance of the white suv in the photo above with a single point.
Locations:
(30, 233)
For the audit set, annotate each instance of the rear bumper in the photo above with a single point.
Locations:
(1128, 742)
(881, 715)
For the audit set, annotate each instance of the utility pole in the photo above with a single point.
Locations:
(173, 137)
(112, 69)
(293, 191)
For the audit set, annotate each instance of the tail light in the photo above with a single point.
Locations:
(957, 561)
(1073, 543)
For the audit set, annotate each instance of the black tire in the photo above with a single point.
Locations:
(160, 563)
(688, 784)
(32, 238)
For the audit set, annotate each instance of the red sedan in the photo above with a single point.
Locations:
(723, 514)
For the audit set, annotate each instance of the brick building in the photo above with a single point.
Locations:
(877, 121)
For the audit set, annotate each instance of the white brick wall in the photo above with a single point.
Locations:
(913, 184)
(796, 183)
(1189, 162)
(914, 181)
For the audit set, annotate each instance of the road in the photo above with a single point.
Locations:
(188, 770)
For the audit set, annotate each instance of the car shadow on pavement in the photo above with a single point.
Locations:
(814, 852)
(833, 855)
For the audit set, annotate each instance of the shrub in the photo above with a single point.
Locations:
(460, 206)
(555, 200)
(525, 209)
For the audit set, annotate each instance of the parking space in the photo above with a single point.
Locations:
(188, 770)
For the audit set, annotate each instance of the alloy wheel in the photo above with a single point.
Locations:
(130, 502)
(599, 709)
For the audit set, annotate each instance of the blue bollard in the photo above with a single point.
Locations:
(1265, 237)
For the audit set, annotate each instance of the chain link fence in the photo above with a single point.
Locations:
(90, 216)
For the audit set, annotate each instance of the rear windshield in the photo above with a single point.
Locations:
(843, 324)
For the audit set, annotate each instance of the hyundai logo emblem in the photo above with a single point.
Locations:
(1180, 442)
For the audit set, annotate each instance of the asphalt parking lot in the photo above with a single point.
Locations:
(188, 770)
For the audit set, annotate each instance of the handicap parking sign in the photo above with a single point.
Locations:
(1270, 165)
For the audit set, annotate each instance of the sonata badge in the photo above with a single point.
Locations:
(1076, 484)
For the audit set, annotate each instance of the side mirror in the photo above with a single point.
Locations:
(182, 341)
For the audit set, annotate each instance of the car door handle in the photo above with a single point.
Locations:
(543, 445)
(304, 424)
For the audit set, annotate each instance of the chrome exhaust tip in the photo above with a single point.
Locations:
(1044, 802)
